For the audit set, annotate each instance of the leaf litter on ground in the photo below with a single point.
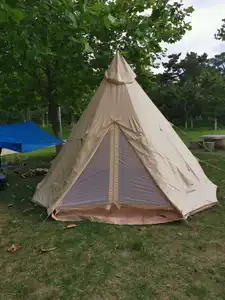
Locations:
(14, 248)
(42, 250)
(71, 226)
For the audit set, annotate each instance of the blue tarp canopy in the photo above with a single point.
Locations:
(26, 137)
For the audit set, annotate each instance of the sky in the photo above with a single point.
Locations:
(205, 21)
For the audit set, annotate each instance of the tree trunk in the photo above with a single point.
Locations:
(54, 114)
(72, 121)
(46, 119)
(43, 120)
(191, 122)
(27, 116)
(60, 119)
(215, 123)
(186, 115)
(54, 108)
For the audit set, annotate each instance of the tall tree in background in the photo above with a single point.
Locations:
(220, 35)
(191, 68)
(219, 63)
(182, 78)
(164, 89)
(54, 52)
(213, 91)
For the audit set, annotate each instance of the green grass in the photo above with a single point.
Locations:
(195, 134)
(176, 261)
(65, 131)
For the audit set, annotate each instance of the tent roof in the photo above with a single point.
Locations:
(25, 137)
(119, 72)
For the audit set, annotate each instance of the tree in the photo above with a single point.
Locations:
(213, 90)
(219, 63)
(220, 35)
(61, 47)
(183, 76)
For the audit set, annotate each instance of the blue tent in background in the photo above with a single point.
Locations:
(26, 137)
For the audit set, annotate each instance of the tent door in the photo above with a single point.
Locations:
(135, 184)
(92, 187)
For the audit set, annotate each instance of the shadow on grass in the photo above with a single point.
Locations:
(17, 196)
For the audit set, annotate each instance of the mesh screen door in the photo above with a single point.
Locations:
(92, 187)
(135, 183)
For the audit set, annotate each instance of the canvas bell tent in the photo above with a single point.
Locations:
(123, 162)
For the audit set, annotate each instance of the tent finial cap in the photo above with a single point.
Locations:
(119, 72)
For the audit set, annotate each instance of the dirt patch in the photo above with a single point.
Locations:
(44, 292)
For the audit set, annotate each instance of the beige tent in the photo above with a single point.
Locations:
(123, 162)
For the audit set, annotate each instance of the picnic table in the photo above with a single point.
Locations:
(217, 139)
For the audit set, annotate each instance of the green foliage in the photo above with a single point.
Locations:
(220, 35)
(56, 51)
(219, 62)
(213, 90)
(190, 88)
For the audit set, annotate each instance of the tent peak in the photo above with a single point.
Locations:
(119, 72)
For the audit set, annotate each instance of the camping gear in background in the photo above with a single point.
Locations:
(32, 172)
(3, 182)
(26, 137)
(124, 163)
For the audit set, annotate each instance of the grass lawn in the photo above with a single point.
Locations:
(194, 134)
(177, 261)
(65, 131)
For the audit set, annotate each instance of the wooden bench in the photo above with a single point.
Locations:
(217, 139)
(209, 146)
(195, 145)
